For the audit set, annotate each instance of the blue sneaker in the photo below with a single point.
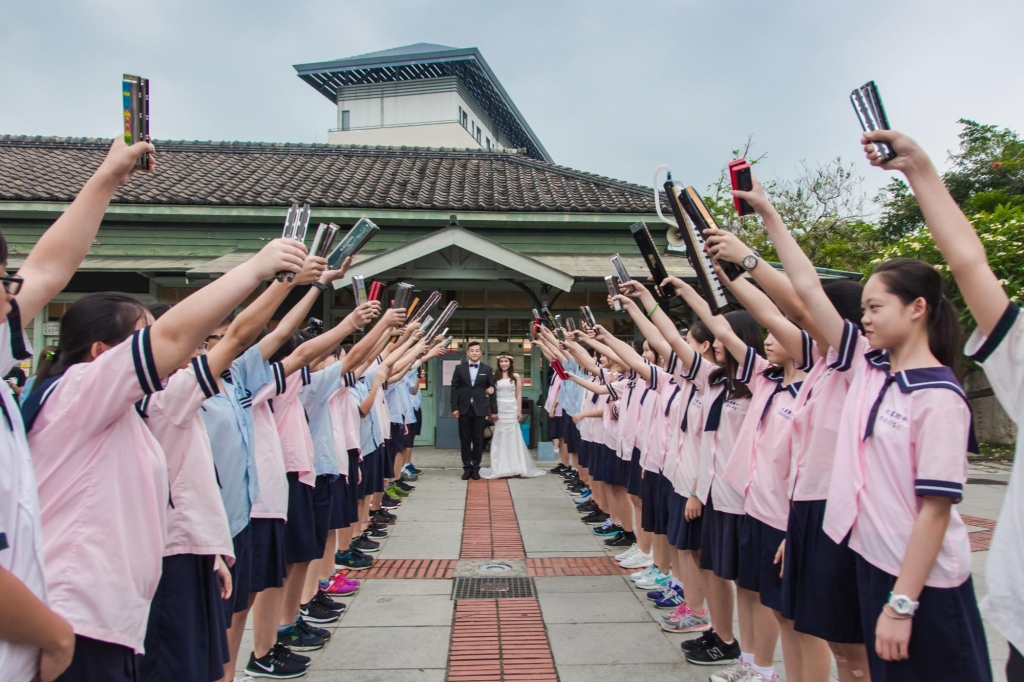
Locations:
(671, 597)
(305, 628)
(608, 529)
(352, 560)
(584, 498)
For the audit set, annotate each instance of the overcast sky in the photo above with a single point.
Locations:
(614, 88)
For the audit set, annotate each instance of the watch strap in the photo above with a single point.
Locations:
(320, 285)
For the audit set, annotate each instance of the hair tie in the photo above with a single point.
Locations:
(49, 355)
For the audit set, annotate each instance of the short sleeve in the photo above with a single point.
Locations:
(942, 427)
(185, 393)
(250, 371)
(1001, 355)
(807, 352)
(753, 365)
(700, 374)
(322, 384)
(848, 347)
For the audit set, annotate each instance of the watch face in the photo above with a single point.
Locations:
(901, 605)
(749, 262)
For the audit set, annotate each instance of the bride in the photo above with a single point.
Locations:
(509, 456)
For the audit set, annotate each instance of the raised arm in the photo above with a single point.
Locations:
(315, 348)
(580, 354)
(605, 350)
(666, 327)
(804, 278)
(633, 360)
(592, 386)
(312, 271)
(641, 316)
(951, 230)
(62, 248)
(718, 325)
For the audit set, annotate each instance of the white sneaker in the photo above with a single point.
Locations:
(639, 560)
(738, 672)
(655, 581)
(628, 554)
(642, 573)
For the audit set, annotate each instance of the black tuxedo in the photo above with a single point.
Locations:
(473, 404)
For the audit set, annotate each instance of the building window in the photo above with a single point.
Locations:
(478, 136)
(488, 144)
(345, 122)
(463, 118)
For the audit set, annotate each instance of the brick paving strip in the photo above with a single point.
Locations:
(496, 640)
(980, 539)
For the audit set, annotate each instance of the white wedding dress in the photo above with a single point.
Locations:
(509, 455)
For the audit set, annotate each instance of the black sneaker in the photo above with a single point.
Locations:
(299, 639)
(558, 468)
(384, 517)
(388, 502)
(377, 532)
(301, 624)
(587, 507)
(364, 544)
(595, 517)
(696, 643)
(317, 613)
(324, 600)
(620, 540)
(404, 486)
(274, 666)
(287, 654)
(713, 651)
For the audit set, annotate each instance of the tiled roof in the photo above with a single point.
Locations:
(271, 174)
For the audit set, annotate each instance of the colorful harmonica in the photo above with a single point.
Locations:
(135, 99)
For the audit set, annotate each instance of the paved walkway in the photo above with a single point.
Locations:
(586, 622)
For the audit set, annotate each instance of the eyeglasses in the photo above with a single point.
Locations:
(204, 346)
(12, 284)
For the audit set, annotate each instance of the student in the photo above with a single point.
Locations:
(813, 564)
(102, 475)
(34, 639)
(900, 645)
(412, 379)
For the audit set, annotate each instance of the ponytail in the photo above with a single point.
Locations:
(944, 333)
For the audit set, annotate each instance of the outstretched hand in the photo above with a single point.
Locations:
(755, 196)
(909, 155)
(119, 166)
(722, 245)
(280, 255)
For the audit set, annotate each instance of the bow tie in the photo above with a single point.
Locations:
(474, 365)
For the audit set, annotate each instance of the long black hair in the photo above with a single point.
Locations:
(288, 347)
(499, 374)
(749, 331)
(910, 279)
(845, 296)
(701, 333)
(108, 317)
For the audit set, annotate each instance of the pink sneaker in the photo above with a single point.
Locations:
(340, 588)
(340, 575)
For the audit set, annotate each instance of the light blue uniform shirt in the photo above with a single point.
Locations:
(230, 426)
(413, 378)
(570, 395)
(369, 435)
(400, 402)
(314, 395)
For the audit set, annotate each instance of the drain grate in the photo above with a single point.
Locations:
(493, 588)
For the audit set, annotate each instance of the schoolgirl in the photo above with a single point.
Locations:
(95, 505)
(31, 633)
(555, 424)
(394, 436)
(412, 381)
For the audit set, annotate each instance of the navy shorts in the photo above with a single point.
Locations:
(309, 513)
(186, 638)
(556, 428)
(758, 571)
(96, 661)
(720, 541)
(634, 481)
(339, 503)
(241, 573)
(391, 448)
(947, 641)
(682, 534)
(572, 434)
(352, 486)
(819, 586)
(373, 471)
(417, 428)
(268, 559)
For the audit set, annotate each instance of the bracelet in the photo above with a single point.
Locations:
(652, 310)
(320, 285)
(891, 613)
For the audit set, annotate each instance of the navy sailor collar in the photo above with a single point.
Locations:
(777, 375)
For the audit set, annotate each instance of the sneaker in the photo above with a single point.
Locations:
(628, 554)
(608, 529)
(395, 492)
(558, 468)
(713, 651)
(287, 654)
(689, 645)
(377, 532)
(325, 601)
(299, 640)
(595, 517)
(364, 544)
(621, 539)
(638, 560)
(584, 497)
(664, 593)
(738, 672)
(274, 666)
(656, 580)
(682, 619)
(384, 517)
(642, 573)
(315, 613)
(339, 587)
(388, 502)
(411, 468)
(351, 561)
(406, 475)
(587, 507)
(672, 599)
(303, 626)
(402, 485)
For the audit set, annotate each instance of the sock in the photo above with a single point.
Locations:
(747, 659)
(767, 673)
(703, 612)
(285, 628)
(324, 584)
(676, 583)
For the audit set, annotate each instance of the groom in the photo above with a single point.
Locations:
(472, 400)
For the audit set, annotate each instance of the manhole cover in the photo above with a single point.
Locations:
(493, 588)
(495, 568)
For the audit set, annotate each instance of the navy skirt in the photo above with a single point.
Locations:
(947, 640)
(417, 428)
(268, 558)
(758, 571)
(583, 456)
(819, 586)
(96, 661)
(556, 428)
(186, 638)
(598, 467)
(619, 474)
(309, 514)
(656, 493)
(720, 541)
(572, 434)
(635, 483)
(682, 534)
(352, 488)
(241, 574)
(373, 472)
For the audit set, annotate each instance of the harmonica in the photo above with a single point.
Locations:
(321, 230)
(620, 270)
(376, 289)
(868, 105)
(442, 320)
(588, 316)
(362, 232)
(649, 251)
(359, 290)
(135, 99)
(702, 220)
(536, 314)
(428, 306)
(739, 175)
(402, 294)
(613, 290)
(447, 342)
(559, 370)
(296, 222)
(549, 317)
(425, 327)
(412, 307)
(571, 324)
(710, 286)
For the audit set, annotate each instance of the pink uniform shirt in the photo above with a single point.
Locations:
(650, 404)
(551, 404)
(196, 520)
(103, 493)
(629, 415)
(662, 427)
(902, 436)
(292, 427)
(273, 500)
(684, 441)
(344, 404)
(722, 423)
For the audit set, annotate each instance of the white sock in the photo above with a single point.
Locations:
(767, 673)
(747, 659)
(676, 583)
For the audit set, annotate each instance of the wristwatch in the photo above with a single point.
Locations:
(320, 285)
(750, 262)
(902, 604)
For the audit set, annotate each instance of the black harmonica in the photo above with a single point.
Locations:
(702, 220)
(588, 316)
(613, 290)
(402, 295)
(427, 307)
(442, 320)
(652, 258)
(362, 232)
(707, 279)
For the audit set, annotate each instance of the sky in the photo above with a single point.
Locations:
(614, 88)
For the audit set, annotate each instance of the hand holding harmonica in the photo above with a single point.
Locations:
(909, 155)
(722, 245)
(122, 161)
(756, 197)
